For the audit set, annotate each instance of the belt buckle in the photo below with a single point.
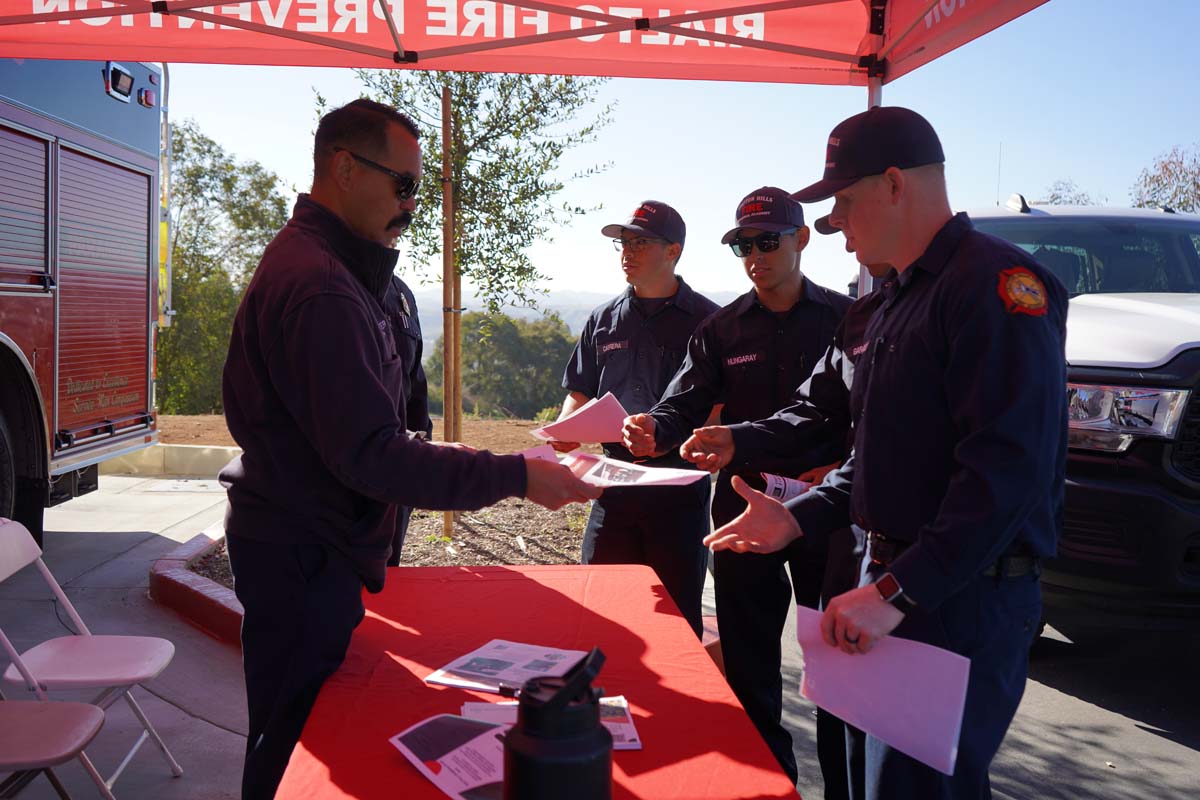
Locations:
(875, 541)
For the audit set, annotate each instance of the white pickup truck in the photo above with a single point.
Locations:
(1130, 544)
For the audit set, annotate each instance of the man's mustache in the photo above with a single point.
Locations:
(402, 221)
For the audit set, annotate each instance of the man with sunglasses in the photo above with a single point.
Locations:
(750, 356)
(321, 388)
(820, 408)
(632, 346)
(960, 441)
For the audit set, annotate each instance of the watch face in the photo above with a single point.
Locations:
(888, 586)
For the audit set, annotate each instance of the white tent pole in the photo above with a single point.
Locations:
(391, 23)
(866, 283)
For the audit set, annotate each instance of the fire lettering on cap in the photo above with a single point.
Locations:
(834, 141)
(751, 208)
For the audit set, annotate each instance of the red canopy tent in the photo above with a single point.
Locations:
(781, 41)
(853, 42)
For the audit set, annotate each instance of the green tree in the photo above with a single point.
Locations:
(511, 367)
(223, 213)
(1172, 181)
(510, 133)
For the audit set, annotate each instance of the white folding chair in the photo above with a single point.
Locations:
(35, 736)
(114, 664)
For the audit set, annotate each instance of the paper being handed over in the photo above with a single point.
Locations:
(602, 471)
(597, 420)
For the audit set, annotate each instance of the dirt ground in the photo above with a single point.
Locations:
(497, 435)
(514, 531)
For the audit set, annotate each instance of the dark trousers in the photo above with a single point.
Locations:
(661, 527)
(403, 517)
(302, 602)
(991, 621)
(753, 598)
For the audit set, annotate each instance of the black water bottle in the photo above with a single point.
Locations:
(558, 748)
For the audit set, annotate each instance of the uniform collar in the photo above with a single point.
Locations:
(809, 293)
(371, 263)
(941, 248)
(685, 298)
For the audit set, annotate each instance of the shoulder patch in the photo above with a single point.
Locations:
(1022, 292)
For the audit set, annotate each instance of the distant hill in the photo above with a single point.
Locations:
(573, 307)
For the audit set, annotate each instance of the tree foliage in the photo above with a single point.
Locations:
(223, 214)
(511, 367)
(1065, 192)
(1172, 181)
(509, 135)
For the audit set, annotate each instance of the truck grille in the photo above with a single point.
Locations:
(1185, 455)
(1103, 535)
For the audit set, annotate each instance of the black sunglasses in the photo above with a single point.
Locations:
(406, 185)
(766, 242)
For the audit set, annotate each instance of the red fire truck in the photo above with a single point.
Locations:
(82, 258)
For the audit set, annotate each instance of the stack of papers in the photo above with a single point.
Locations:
(504, 663)
(464, 755)
(599, 420)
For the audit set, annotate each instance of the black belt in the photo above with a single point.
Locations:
(883, 550)
(1014, 567)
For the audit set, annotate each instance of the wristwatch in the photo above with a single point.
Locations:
(889, 589)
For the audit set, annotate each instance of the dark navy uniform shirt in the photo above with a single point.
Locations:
(401, 309)
(634, 354)
(751, 359)
(959, 407)
(819, 412)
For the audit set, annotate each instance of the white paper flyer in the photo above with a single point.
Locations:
(500, 662)
(601, 471)
(614, 714)
(462, 757)
(783, 489)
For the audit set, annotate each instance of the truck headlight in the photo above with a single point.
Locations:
(1109, 418)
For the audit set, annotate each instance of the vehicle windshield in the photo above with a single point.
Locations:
(1093, 256)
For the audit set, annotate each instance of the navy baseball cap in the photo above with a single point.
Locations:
(651, 218)
(871, 142)
(766, 209)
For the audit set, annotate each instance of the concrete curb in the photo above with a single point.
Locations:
(206, 604)
(172, 459)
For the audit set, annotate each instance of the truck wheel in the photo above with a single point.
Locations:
(8, 476)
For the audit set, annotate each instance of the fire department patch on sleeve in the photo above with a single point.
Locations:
(1022, 292)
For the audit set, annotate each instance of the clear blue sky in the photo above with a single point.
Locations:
(1090, 90)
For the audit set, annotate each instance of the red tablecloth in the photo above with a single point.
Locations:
(698, 742)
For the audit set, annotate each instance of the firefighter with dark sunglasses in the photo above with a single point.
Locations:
(750, 356)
